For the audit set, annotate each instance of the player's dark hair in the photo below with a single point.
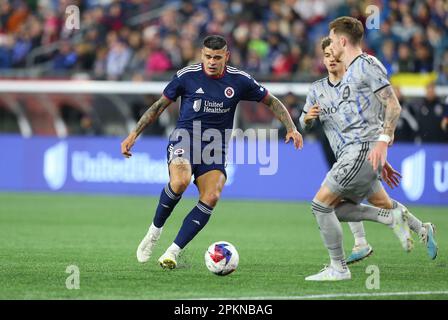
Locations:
(215, 42)
(350, 27)
(325, 43)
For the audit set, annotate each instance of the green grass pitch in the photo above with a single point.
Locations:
(279, 244)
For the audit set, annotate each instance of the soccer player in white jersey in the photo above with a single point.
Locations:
(364, 119)
(320, 105)
(209, 92)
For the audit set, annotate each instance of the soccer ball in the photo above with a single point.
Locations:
(221, 258)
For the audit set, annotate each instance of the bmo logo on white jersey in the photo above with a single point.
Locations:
(229, 92)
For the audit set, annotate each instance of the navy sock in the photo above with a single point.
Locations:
(193, 223)
(167, 202)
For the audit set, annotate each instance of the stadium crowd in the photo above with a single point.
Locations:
(272, 40)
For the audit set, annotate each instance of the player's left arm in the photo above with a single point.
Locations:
(390, 175)
(280, 111)
(393, 109)
(388, 98)
(378, 154)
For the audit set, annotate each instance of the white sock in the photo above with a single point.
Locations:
(339, 265)
(154, 230)
(174, 248)
(359, 234)
(360, 241)
(385, 216)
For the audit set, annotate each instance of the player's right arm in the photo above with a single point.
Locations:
(310, 111)
(307, 118)
(150, 115)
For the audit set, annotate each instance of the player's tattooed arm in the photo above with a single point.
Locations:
(280, 111)
(393, 109)
(148, 117)
(151, 115)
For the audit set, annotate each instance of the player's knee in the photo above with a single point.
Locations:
(179, 184)
(211, 197)
(179, 162)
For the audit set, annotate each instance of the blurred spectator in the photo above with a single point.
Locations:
(406, 29)
(100, 65)
(388, 58)
(423, 60)
(66, 57)
(407, 126)
(117, 59)
(405, 60)
(6, 44)
(429, 115)
(443, 70)
(376, 38)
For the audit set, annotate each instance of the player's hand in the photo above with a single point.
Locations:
(392, 140)
(444, 124)
(313, 113)
(296, 138)
(378, 155)
(127, 144)
(390, 175)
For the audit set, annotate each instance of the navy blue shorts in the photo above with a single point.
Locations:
(201, 157)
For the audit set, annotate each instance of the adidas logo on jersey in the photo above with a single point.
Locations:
(200, 90)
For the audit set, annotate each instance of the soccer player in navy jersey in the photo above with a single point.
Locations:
(210, 92)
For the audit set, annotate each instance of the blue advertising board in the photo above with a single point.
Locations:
(95, 165)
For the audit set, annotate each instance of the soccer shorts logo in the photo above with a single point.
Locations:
(179, 152)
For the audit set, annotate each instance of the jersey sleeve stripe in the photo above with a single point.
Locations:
(381, 88)
(195, 67)
(265, 95)
(167, 97)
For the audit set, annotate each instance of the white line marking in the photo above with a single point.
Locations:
(335, 295)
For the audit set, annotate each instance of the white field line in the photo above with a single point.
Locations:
(335, 295)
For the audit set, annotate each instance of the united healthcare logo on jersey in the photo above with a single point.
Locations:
(197, 105)
(55, 165)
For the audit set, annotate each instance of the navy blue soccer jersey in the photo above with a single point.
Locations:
(211, 100)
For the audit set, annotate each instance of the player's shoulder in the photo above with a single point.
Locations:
(372, 62)
(237, 72)
(319, 84)
(191, 69)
